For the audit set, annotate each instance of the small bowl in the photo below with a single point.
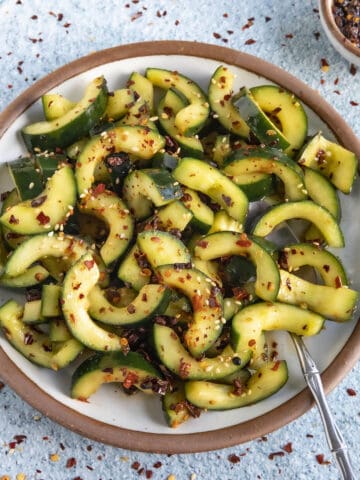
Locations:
(336, 37)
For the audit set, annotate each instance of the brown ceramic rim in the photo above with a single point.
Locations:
(204, 441)
(326, 10)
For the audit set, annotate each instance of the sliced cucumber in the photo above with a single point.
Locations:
(266, 381)
(162, 248)
(174, 406)
(307, 210)
(333, 303)
(168, 107)
(286, 110)
(27, 179)
(31, 276)
(173, 216)
(58, 330)
(203, 216)
(206, 302)
(11, 239)
(119, 103)
(178, 360)
(151, 300)
(142, 88)
(269, 161)
(55, 106)
(130, 270)
(143, 188)
(74, 124)
(34, 345)
(44, 212)
(201, 176)
(221, 149)
(32, 313)
(109, 208)
(191, 119)
(50, 300)
(220, 94)
(221, 244)
(321, 191)
(327, 265)
(223, 222)
(335, 162)
(139, 141)
(78, 282)
(130, 370)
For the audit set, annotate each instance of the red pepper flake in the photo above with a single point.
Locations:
(202, 243)
(34, 17)
(225, 15)
(320, 458)
(250, 41)
(317, 35)
(135, 465)
(289, 35)
(157, 464)
(353, 69)
(324, 65)
(338, 283)
(252, 342)
(288, 447)
(130, 379)
(2, 385)
(60, 16)
(148, 473)
(100, 188)
(13, 220)
(136, 16)
(244, 241)
(67, 25)
(272, 455)
(89, 448)
(353, 103)
(89, 264)
(184, 368)
(176, 23)
(351, 392)
(216, 35)
(42, 218)
(131, 308)
(276, 366)
(233, 458)
(71, 462)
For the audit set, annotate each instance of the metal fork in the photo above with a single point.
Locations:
(334, 438)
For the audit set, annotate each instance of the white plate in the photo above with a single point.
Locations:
(139, 413)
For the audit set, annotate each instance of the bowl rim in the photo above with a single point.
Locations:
(201, 441)
(328, 17)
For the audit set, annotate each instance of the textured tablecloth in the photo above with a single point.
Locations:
(38, 36)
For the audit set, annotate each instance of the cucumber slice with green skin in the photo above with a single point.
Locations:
(293, 257)
(32, 313)
(58, 330)
(258, 122)
(203, 216)
(131, 272)
(174, 216)
(162, 248)
(140, 141)
(201, 176)
(266, 381)
(143, 88)
(26, 178)
(255, 186)
(152, 300)
(119, 103)
(206, 302)
(55, 106)
(248, 325)
(220, 94)
(147, 187)
(11, 239)
(221, 244)
(78, 282)
(174, 406)
(74, 124)
(168, 107)
(119, 166)
(223, 222)
(221, 149)
(178, 360)
(307, 210)
(336, 304)
(44, 212)
(39, 247)
(321, 191)
(138, 114)
(191, 119)
(269, 161)
(109, 208)
(48, 164)
(130, 370)
(242, 376)
(50, 301)
(210, 269)
(332, 160)
(31, 276)
(287, 111)
(36, 346)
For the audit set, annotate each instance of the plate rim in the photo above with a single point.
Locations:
(121, 437)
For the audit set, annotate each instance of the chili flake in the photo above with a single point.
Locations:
(42, 218)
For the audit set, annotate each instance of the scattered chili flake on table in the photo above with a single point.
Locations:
(272, 455)
(288, 447)
(353, 69)
(2, 385)
(250, 41)
(354, 104)
(324, 65)
(347, 18)
(320, 458)
(351, 392)
(233, 458)
(71, 462)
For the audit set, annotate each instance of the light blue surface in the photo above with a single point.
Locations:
(97, 25)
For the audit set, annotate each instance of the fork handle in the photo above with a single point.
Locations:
(333, 435)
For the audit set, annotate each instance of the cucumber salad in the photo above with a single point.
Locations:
(128, 229)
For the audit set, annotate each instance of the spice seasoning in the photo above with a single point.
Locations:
(347, 18)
